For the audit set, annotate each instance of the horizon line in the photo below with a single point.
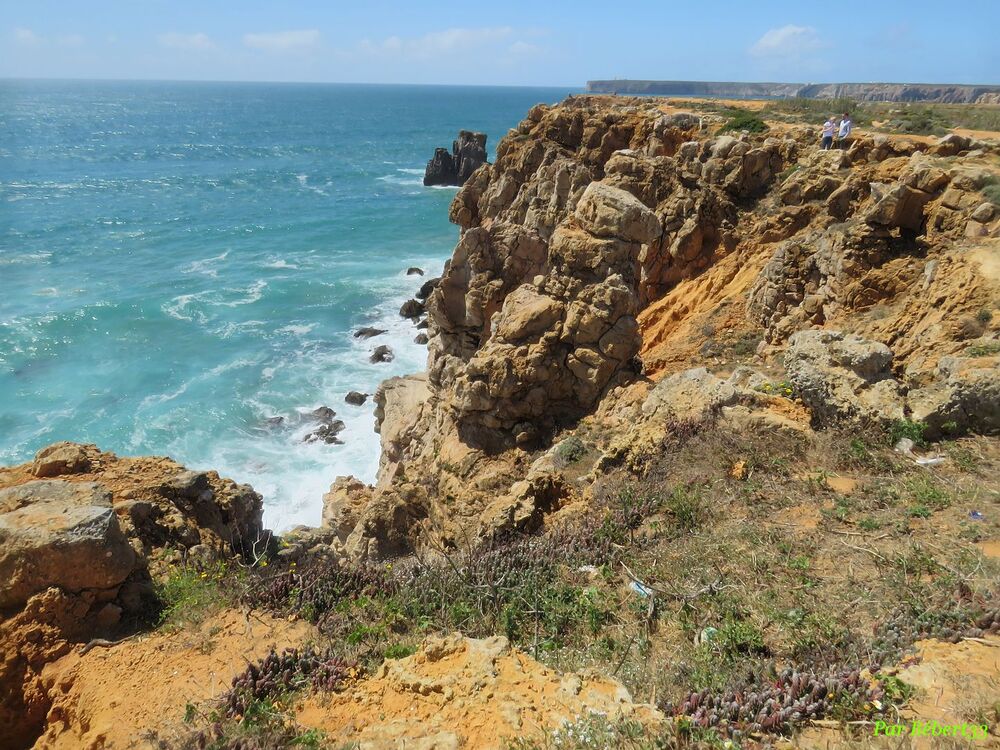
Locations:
(69, 79)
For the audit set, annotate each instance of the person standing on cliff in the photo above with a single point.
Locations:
(844, 133)
(828, 130)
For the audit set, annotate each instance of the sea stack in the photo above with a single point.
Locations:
(468, 153)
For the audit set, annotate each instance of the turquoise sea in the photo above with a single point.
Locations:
(180, 262)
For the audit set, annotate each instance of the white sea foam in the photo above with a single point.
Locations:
(206, 266)
(279, 263)
(250, 294)
(297, 329)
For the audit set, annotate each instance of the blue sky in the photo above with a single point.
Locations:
(544, 42)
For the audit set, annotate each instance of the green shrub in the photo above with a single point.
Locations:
(570, 450)
(907, 428)
(399, 651)
(744, 121)
(984, 350)
(992, 194)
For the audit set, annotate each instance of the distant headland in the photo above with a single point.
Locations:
(937, 93)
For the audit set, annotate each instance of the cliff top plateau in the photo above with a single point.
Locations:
(939, 93)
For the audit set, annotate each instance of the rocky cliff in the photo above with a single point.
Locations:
(865, 92)
(610, 246)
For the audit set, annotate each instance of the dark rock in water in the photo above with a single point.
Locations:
(420, 339)
(427, 287)
(382, 354)
(327, 433)
(356, 398)
(323, 414)
(412, 309)
(367, 333)
(423, 324)
(468, 153)
(274, 421)
(414, 271)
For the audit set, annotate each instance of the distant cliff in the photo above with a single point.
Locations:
(944, 93)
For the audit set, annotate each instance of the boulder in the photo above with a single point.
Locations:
(951, 144)
(607, 211)
(323, 414)
(414, 271)
(381, 354)
(984, 212)
(60, 458)
(844, 378)
(412, 309)
(427, 287)
(356, 398)
(898, 206)
(468, 153)
(60, 534)
(368, 332)
(327, 433)
(420, 338)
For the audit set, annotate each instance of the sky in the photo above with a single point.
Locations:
(544, 42)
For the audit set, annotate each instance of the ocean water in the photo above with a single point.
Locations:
(181, 261)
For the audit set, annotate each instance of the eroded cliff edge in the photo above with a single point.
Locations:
(611, 249)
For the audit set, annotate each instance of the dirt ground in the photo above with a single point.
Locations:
(120, 696)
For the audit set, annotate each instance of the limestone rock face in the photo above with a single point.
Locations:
(843, 377)
(59, 534)
(344, 504)
(468, 153)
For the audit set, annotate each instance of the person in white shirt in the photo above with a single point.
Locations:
(844, 132)
(828, 130)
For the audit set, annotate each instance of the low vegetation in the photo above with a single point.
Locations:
(741, 121)
(743, 603)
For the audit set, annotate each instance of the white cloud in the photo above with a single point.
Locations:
(438, 44)
(283, 41)
(787, 43)
(26, 36)
(187, 42)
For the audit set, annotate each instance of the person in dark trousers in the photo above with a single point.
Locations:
(844, 132)
(828, 130)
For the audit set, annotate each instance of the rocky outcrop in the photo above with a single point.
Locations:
(846, 378)
(159, 505)
(468, 153)
(611, 241)
(77, 548)
(964, 395)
